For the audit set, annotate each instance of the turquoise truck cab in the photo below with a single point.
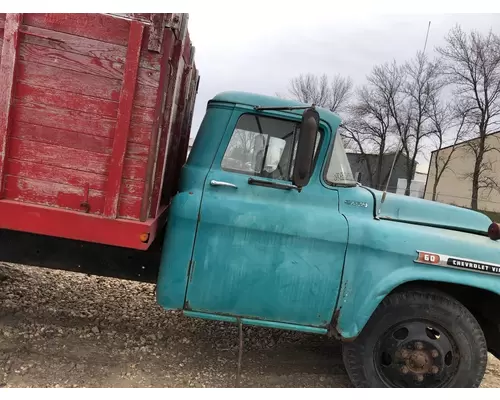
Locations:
(409, 286)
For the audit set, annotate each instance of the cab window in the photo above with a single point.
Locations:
(263, 146)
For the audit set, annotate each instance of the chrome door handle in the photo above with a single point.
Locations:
(219, 183)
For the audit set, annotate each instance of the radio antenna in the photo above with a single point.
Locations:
(384, 194)
(396, 154)
(427, 35)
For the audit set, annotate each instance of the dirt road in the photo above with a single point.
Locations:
(60, 329)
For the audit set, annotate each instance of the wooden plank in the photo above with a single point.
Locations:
(72, 159)
(70, 61)
(65, 196)
(74, 44)
(7, 76)
(64, 176)
(145, 96)
(91, 65)
(77, 225)
(129, 207)
(141, 115)
(186, 54)
(148, 77)
(69, 81)
(75, 121)
(161, 104)
(54, 98)
(140, 133)
(52, 194)
(156, 29)
(134, 169)
(123, 119)
(166, 131)
(100, 27)
(62, 137)
(58, 156)
(170, 175)
(87, 47)
(74, 140)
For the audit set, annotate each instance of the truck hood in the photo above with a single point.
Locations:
(426, 212)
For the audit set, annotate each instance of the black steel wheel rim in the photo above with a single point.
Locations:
(416, 353)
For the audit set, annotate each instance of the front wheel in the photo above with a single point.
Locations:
(418, 338)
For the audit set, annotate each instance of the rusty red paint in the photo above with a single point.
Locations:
(162, 104)
(158, 22)
(100, 27)
(154, 187)
(7, 76)
(123, 120)
(77, 225)
(173, 154)
(66, 138)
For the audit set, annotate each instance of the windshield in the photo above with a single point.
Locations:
(339, 170)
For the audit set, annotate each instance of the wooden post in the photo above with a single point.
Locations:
(7, 76)
(123, 119)
(163, 105)
(154, 181)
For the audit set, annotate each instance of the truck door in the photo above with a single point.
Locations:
(262, 249)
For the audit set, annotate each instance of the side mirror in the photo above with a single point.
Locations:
(303, 165)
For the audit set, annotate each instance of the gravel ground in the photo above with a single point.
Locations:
(61, 329)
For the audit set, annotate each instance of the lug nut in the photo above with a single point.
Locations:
(404, 370)
(419, 346)
(404, 354)
(434, 369)
(419, 378)
(434, 353)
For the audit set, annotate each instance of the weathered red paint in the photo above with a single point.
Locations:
(123, 120)
(81, 118)
(162, 104)
(173, 148)
(100, 27)
(54, 222)
(153, 191)
(7, 75)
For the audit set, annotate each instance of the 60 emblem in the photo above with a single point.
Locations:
(428, 258)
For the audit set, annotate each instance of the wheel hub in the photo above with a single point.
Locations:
(414, 354)
(420, 361)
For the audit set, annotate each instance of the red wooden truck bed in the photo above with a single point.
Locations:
(95, 114)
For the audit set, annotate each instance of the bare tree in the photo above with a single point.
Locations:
(487, 182)
(340, 93)
(389, 80)
(407, 91)
(368, 129)
(448, 129)
(422, 85)
(472, 65)
(332, 94)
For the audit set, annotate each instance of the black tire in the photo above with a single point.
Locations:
(451, 353)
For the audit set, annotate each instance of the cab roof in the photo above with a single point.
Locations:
(252, 99)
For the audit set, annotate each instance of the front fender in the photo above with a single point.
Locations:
(381, 256)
